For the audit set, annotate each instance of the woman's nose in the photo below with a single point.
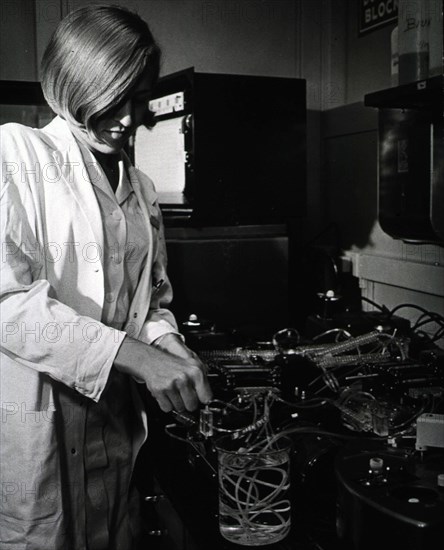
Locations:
(124, 114)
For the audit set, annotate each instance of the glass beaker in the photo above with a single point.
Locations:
(254, 504)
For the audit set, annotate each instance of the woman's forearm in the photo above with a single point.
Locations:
(177, 383)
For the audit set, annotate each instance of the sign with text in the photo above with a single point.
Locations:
(374, 14)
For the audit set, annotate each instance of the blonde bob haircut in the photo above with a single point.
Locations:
(95, 57)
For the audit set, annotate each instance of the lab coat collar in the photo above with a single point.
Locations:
(71, 162)
(60, 132)
(72, 167)
(140, 182)
(58, 129)
(98, 177)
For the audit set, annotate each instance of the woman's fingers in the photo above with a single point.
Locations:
(188, 398)
(203, 388)
(190, 389)
(163, 401)
(182, 387)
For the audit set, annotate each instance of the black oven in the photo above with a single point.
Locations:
(227, 149)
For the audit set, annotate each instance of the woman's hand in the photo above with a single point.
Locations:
(177, 382)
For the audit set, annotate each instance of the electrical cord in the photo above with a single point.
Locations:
(308, 430)
(426, 318)
(382, 308)
(419, 308)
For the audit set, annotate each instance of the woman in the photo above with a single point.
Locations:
(84, 295)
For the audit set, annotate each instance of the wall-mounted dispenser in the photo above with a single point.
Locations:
(411, 160)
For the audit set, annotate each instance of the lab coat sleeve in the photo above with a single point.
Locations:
(37, 330)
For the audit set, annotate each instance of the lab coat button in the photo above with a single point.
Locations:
(117, 215)
(135, 315)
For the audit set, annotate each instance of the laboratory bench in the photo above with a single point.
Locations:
(370, 454)
(179, 494)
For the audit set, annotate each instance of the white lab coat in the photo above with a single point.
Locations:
(52, 293)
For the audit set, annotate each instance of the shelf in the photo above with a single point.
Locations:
(424, 94)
